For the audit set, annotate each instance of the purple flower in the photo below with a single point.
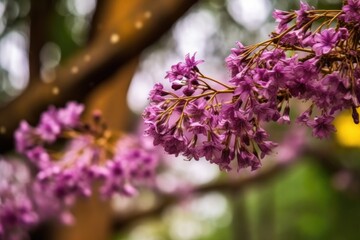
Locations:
(198, 128)
(211, 151)
(196, 110)
(266, 147)
(272, 57)
(134, 164)
(177, 84)
(301, 87)
(233, 61)
(39, 156)
(187, 70)
(291, 39)
(70, 115)
(177, 72)
(25, 137)
(352, 11)
(285, 118)
(157, 93)
(191, 63)
(276, 78)
(322, 126)
(304, 118)
(188, 91)
(282, 18)
(343, 33)
(265, 112)
(325, 41)
(247, 159)
(240, 124)
(174, 145)
(225, 158)
(49, 127)
(244, 87)
(302, 14)
(260, 135)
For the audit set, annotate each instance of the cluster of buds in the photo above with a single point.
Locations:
(313, 56)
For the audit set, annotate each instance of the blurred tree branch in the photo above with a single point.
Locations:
(327, 160)
(227, 186)
(77, 77)
(335, 163)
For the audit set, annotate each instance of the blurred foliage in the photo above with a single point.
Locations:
(67, 28)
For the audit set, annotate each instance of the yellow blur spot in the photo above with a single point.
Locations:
(348, 133)
(2, 130)
(114, 38)
(74, 70)
(55, 90)
(147, 14)
(87, 58)
(139, 25)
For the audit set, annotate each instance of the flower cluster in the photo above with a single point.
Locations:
(313, 55)
(71, 155)
(352, 12)
(17, 210)
(23, 203)
(134, 164)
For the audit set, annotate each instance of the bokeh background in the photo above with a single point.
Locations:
(108, 54)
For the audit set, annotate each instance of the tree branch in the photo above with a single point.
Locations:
(76, 78)
(124, 221)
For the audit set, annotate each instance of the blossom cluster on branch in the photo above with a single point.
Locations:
(17, 210)
(313, 56)
(69, 156)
